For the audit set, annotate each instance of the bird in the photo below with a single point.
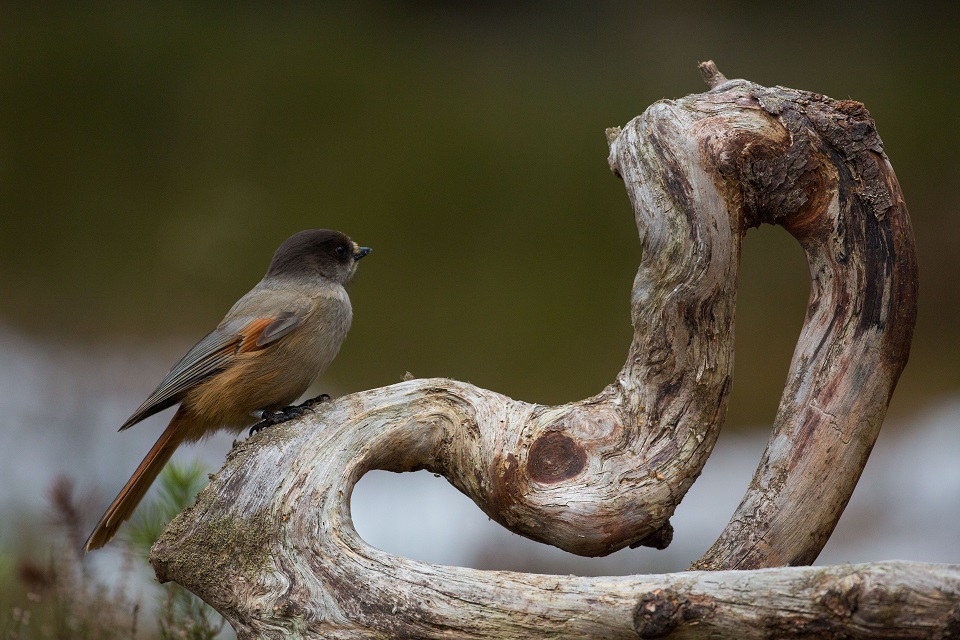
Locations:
(272, 344)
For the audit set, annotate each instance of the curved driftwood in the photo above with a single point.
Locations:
(270, 543)
(816, 166)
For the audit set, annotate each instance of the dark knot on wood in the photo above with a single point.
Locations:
(658, 613)
(555, 457)
(951, 626)
(659, 539)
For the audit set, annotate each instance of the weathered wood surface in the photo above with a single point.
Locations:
(816, 166)
(271, 545)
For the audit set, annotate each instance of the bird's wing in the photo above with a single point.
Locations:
(214, 354)
(280, 326)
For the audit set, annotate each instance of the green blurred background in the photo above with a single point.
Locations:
(153, 155)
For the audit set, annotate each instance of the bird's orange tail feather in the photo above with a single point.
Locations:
(132, 493)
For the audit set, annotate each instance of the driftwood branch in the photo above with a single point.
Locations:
(271, 545)
(816, 166)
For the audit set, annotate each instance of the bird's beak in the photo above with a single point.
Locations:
(359, 252)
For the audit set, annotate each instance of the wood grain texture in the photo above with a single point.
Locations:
(826, 180)
(270, 542)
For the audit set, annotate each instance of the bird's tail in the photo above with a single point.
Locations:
(131, 494)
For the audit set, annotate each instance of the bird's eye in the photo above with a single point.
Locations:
(341, 249)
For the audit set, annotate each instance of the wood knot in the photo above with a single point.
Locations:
(951, 626)
(842, 598)
(288, 607)
(555, 457)
(658, 613)
(659, 539)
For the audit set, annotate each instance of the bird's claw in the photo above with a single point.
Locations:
(270, 418)
(312, 402)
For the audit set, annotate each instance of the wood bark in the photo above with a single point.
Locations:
(270, 542)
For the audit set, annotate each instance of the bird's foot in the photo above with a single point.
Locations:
(270, 418)
(312, 402)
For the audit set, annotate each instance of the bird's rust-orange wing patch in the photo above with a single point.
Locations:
(248, 335)
(263, 331)
(212, 355)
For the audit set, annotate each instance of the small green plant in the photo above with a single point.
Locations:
(182, 614)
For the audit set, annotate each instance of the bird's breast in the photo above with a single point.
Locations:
(275, 376)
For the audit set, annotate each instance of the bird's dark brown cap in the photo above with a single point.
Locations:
(314, 252)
